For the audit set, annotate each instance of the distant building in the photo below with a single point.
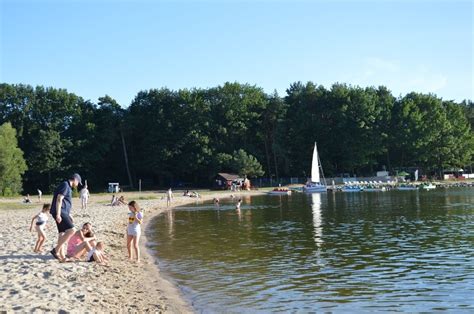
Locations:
(224, 180)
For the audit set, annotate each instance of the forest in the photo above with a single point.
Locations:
(171, 137)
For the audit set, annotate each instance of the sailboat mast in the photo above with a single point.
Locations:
(322, 173)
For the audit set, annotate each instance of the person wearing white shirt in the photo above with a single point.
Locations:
(84, 198)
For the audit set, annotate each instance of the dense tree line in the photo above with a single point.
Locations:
(166, 136)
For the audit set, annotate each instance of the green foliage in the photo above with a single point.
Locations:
(189, 135)
(12, 164)
(246, 165)
(240, 162)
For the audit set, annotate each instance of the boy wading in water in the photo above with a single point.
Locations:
(134, 230)
(61, 212)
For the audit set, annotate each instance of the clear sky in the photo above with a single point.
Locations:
(93, 48)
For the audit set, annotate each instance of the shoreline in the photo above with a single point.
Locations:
(37, 282)
(178, 301)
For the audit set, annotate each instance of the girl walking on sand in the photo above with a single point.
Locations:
(41, 220)
(135, 219)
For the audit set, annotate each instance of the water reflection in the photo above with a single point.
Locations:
(337, 252)
(317, 220)
(239, 213)
(170, 216)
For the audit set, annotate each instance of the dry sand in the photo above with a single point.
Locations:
(37, 282)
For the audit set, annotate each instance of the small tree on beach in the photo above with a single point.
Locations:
(240, 162)
(12, 163)
(246, 164)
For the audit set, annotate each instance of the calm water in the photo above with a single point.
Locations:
(399, 250)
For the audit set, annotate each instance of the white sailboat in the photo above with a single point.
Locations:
(315, 184)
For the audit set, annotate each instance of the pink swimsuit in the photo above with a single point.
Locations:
(73, 243)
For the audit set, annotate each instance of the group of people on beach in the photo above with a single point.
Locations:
(74, 245)
(191, 194)
(117, 201)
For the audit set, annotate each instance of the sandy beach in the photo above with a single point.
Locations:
(37, 282)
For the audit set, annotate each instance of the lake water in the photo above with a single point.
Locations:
(341, 252)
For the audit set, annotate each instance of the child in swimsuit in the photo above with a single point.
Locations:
(97, 255)
(41, 219)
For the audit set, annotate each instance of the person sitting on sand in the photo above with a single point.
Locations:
(41, 220)
(26, 199)
(135, 219)
(97, 255)
(117, 201)
(82, 241)
(114, 200)
(121, 200)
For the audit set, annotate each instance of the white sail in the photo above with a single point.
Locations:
(315, 165)
(315, 185)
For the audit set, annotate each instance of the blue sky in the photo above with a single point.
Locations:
(93, 48)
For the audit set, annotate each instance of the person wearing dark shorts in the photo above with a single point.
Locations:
(61, 212)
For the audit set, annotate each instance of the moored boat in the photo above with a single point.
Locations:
(280, 191)
(375, 189)
(407, 188)
(429, 186)
(352, 188)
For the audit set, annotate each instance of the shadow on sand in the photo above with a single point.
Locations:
(43, 257)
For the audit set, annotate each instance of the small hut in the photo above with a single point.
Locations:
(224, 180)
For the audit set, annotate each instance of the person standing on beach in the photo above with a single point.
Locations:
(40, 194)
(169, 197)
(134, 230)
(41, 220)
(61, 212)
(84, 198)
